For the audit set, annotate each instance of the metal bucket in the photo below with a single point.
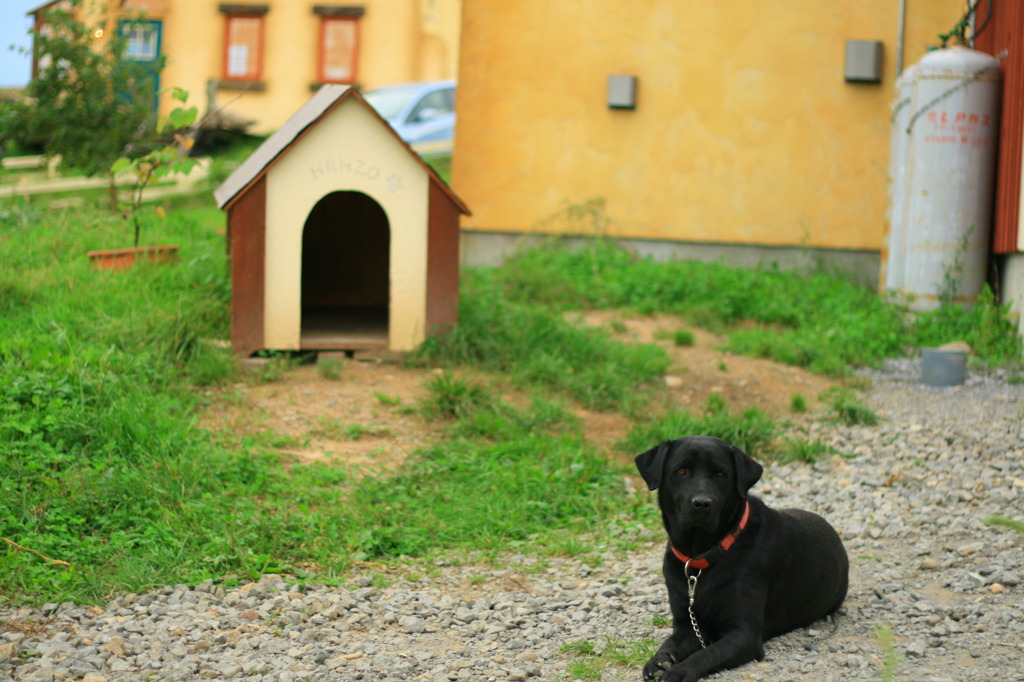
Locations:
(943, 367)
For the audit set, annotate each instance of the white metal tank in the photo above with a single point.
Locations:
(894, 247)
(949, 177)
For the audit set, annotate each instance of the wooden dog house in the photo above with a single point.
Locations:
(340, 236)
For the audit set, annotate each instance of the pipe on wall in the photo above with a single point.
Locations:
(899, 36)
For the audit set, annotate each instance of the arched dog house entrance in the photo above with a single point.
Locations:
(345, 273)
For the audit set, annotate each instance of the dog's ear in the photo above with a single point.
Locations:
(650, 464)
(748, 471)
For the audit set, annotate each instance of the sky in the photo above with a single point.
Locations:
(15, 68)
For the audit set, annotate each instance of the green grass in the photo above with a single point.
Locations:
(585, 669)
(890, 659)
(1006, 523)
(456, 495)
(589, 660)
(106, 470)
(802, 450)
(752, 430)
(387, 400)
(683, 338)
(847, 408)
(536, 346)
(104, 467)
(108, 484)
(442, 165)
(986, 327)
(451, 397)
(813, 319)
(333, 428)
(329, 369)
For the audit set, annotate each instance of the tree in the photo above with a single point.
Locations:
(88, 102)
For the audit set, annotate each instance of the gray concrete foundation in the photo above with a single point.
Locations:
(490, 248)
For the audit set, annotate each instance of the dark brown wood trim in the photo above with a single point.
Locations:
(351, 11)
(243, 9)
(313, 87)
(442, 260)
(247, 226)
(242, 86)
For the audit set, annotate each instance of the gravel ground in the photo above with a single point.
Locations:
(910, 499)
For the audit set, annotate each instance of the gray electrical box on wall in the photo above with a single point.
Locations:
(622, 92)
(863, 61)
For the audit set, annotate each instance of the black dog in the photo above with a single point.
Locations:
(738, 573)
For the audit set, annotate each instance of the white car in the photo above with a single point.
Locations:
(419, 112)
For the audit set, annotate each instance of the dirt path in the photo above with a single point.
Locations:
(365, 416)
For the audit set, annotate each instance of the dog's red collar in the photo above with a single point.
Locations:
(704, 559)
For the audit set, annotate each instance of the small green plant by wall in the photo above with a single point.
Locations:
(164, 161)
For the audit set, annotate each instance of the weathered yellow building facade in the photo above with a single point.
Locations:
(744, 131)
(262, 60)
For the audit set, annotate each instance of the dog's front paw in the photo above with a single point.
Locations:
(656, 667)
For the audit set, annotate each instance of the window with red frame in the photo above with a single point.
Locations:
(339, 43)
(243, 42)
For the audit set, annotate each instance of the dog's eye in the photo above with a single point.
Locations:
(682, 472)
(719, 474)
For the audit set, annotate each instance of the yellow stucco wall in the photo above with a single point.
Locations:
(745, 131)
(348, 149)
(400, 40)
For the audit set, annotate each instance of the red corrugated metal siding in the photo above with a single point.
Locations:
(1005, 31)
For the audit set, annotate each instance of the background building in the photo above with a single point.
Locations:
(745, 139)
(261, 61)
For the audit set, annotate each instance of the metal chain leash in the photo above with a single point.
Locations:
(691, 589)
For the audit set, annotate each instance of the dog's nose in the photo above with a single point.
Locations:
(701, 503)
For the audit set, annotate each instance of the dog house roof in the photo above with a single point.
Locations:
(325, 99)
